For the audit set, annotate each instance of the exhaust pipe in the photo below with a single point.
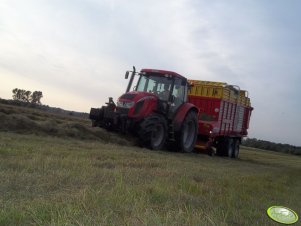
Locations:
(131, 79)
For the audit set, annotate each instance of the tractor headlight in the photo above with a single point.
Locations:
(119, 104)
(124, 104)
(129, 104)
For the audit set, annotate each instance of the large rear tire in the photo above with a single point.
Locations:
(187, 136)
(153, 132)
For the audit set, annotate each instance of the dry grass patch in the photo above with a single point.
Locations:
(55, 181)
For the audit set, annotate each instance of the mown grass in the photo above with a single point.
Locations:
(64, 180)
(54, 181)
(34, 121)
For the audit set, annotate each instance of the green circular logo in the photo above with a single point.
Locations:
(282, 214)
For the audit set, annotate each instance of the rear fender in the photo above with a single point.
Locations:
(181, 114)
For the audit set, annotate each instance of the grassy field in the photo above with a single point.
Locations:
(75, 175)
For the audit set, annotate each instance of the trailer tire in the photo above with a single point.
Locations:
(235, 148)
(152, 132)
(187, 136)
(229, 148)
(220, 150)
(225, 147)
(94, 123)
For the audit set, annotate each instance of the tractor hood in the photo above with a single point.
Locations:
(135, 96)
(137, 104)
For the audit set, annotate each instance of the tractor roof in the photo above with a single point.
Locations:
(163, 72)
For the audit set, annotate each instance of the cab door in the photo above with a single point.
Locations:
(178, 96)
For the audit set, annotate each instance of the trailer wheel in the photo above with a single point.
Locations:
(229, 148)
(153, 132)
(187, 136)
(235, 149)
(94, 123)
(220, 148)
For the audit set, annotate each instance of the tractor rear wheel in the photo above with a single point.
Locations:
(187, 136)
(153, 132)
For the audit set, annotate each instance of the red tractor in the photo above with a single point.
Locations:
(156, 110)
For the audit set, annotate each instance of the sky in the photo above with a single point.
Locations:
(77, 51)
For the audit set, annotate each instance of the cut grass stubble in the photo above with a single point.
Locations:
(48, 180)
(57, 170)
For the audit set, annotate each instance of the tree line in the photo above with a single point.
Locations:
(267, 145)
(27, 96)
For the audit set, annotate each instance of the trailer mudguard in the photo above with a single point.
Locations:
(181, 114)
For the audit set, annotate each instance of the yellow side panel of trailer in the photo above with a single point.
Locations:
(244, 100)
(209, 89)
(219, 90)
(206, 89)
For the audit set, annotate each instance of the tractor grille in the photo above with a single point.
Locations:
(124, 111)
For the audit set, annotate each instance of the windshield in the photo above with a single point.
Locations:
(157, 84)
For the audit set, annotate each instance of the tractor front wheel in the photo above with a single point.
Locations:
(187, 137)
(153, 132)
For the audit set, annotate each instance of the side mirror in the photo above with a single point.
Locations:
(127, 75)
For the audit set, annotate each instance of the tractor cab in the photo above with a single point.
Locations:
(167, 88)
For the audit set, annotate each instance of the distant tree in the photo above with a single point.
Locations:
(19, 94)
(27, 96)
(267, 145)
(15, 93)
(36, 97)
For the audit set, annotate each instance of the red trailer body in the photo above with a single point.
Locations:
(224, 115)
